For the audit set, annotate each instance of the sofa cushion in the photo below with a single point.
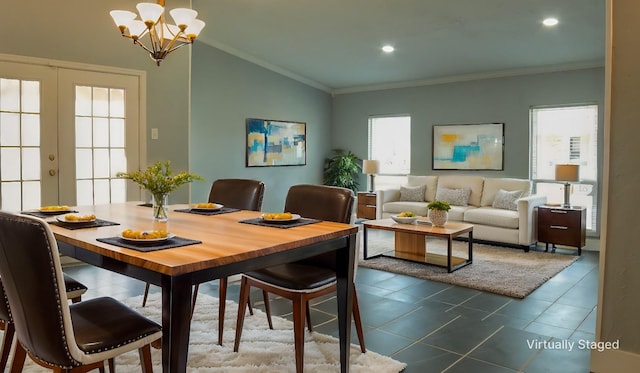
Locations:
(412, 193)
(494, 217)
(507, 200)
(492, 185)
(457, 213)
(455, 197)
(474, 183)
(430, 181)
(419, 208)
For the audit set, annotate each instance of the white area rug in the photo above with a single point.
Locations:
(261, 349)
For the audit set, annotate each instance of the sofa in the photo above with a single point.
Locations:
(502, 210)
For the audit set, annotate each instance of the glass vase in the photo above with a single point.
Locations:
(160, 207)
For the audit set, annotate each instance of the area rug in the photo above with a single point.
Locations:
(261, 350)
(495, 269)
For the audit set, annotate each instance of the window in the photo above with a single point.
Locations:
(566, 134)
(390, 143)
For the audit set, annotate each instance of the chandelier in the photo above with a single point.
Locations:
(163, 38)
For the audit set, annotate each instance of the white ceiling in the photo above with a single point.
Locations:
(335, 44)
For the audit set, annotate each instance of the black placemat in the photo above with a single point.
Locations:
(45, 215)
(280, 224)
(223, 210)
(170, 243)
(90, 224)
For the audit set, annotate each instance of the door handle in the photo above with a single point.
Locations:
(52, 172)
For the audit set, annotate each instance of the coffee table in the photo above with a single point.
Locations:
(410, 241)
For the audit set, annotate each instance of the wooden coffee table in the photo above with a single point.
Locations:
(410, 242)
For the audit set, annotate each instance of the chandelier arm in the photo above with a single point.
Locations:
(138, 42)
(177, 47)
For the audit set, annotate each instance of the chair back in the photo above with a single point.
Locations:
(34, 285)
(4, 310)
(244, 194)
(320, 202)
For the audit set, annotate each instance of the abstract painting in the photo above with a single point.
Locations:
(276, 143)
(468, 146)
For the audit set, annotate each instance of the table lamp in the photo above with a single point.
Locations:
(567, 173)
(371, 167)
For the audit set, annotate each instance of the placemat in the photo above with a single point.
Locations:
(151, 246)
(45, 215)
(280, 224)
(91, 224)
(223, 210)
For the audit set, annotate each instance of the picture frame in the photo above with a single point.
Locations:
(468, 146)
(275, 143)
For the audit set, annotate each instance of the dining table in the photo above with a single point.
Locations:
(217, 245)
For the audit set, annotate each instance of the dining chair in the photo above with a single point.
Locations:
(64, 337)
(303, 280)
(243, 194)
(74, 289)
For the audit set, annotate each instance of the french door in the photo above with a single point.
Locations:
(64, 134)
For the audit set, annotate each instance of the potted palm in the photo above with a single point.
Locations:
(438, 212)
(342, 169)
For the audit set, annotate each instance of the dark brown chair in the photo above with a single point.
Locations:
(307, 279)
(243, 194)
(66, 338)
(74, 288)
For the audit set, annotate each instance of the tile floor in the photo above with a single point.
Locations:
(435, 327)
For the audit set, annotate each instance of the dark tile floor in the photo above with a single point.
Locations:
(435, 327)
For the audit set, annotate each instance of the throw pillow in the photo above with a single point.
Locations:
(412, 194)
(456, 197)
(507, 200)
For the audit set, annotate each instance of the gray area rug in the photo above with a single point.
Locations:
(262, 350)
(495, 269)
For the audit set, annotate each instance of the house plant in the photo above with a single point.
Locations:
(342, 169)
(159, 180)
(438, 212)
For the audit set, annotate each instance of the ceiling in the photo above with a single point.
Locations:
(335, 44)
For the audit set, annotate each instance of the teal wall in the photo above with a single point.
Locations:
(499, 100)
(225, 92)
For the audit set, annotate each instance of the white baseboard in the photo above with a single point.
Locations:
(614, 361)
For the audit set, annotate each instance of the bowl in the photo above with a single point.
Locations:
(404, 220)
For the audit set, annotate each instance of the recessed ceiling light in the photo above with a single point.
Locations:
(550, 22)
(388, 48)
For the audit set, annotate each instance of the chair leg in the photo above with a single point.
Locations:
(298, 331)
(112, 365)
(76, 299)
(7, 340)
(194, 297)
(145, 359)
(146, 294)
(267, 308)
(19, 356)
(308, 311)
(222, 298)
(358, 321)
(244, 299)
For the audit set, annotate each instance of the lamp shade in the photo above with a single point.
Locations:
(567, 172)
(370, 166)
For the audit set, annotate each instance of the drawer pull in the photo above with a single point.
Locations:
(370, 206)
(559, 227)
(559, 211)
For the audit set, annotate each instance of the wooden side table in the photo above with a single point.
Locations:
(366, 205)
(562, 226)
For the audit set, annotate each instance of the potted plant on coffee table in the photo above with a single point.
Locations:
(438, 212)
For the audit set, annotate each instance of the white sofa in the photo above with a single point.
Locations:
(515, 227)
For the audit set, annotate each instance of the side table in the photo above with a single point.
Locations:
(562, 226)
(366, 205)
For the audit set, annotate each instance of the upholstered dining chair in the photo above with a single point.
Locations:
(74, 288)
(63, 337)
(306, 279)
(243, 194)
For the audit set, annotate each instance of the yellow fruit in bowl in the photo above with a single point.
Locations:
(407, 214)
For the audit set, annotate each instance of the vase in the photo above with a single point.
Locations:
(438, 217)
(160, 207)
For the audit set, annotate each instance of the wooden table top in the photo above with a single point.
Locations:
(452, 228)
(224, 239)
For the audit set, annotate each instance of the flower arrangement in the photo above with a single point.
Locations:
(159, 180)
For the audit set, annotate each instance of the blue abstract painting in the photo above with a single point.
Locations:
(275, 143)
(468, 146)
